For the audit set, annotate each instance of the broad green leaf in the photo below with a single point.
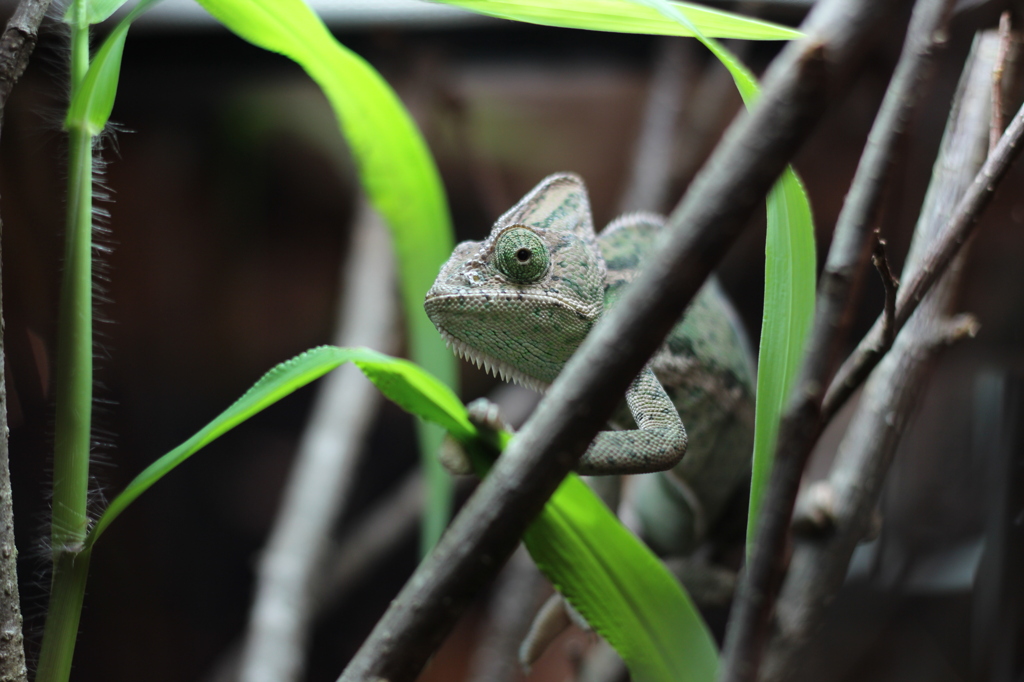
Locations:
(623, 16)
(604, 571)
(609, 576)
(396, 170)
(282, 380)
(623, 591)
(790, 268)
(94, 99)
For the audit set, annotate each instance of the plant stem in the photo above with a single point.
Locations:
(74, 357)
(73, 422)
(70, 571)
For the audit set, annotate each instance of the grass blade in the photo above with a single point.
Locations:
(279, 382)
(623, 591)
(624, 16)
(789, 278)
(396, 170)
(790, 269)
(604, 571)
(94, 100)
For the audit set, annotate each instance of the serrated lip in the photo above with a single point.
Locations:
(497, 368)
(436, 295)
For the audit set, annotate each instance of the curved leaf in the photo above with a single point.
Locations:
(279, 382)
(622, 590)
(789, 281)
(623, 16)
(605, 572)
(94, 99)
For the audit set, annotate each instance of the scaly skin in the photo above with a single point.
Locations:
(521, 302)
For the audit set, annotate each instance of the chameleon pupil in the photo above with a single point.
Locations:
(520, 255)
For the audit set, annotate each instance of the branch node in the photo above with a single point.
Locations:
(881, 262)
(957, 328)
(815, 513)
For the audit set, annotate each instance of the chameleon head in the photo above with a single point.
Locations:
(520, 302)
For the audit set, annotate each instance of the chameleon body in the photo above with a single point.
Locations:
(520, 303)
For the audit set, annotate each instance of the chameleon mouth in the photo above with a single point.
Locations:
(497, 368)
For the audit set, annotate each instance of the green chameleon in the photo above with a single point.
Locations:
(521, 302)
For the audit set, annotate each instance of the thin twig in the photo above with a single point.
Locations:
(16, 45)
(1005, 42)
(958, 230)
(324, 468)
(819, 564)
(881, 262)
(807, 76)
(847, 259)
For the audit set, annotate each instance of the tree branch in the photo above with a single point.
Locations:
(802, 424)
(959, 228)
(998, 71)
(820, 563)
(807, 75)
(16, 45)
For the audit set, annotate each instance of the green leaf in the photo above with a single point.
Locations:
(604, 571)
(396, 170)
(609, 576)
(623, 16)
(282, 380)
(790, 269)
(94, 99)
(623, 591)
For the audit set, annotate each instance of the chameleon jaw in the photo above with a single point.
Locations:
(497, 368)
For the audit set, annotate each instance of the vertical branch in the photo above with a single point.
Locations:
(820, 564)
(16, 45)
(323, 474)
(801, 424)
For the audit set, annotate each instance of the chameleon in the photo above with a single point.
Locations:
(519, 304)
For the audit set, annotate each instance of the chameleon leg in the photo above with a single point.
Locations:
(658, 444)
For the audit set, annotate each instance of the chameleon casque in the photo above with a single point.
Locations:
(520, 303)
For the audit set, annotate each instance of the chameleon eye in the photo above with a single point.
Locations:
(521, 256)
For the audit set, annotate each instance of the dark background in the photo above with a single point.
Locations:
(229, 217)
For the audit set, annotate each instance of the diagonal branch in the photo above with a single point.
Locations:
(802, 424)
(807, 76)
(959, 228)
(820, 564)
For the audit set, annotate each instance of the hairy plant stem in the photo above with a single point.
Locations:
(73, 423)
(70, 570)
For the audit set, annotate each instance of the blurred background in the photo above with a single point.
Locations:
(232, 201)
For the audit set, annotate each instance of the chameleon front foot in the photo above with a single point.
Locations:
(485, 416)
